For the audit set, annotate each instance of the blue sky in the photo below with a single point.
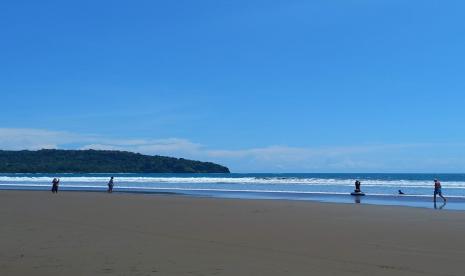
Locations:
(259, 86)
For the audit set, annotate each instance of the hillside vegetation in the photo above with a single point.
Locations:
(99, 161)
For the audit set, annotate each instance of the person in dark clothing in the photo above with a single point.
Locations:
(400, 192)
(438, 190)
(357, 186)
(110, 185)
(55, 183)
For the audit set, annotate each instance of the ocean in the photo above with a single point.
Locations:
(380, 188)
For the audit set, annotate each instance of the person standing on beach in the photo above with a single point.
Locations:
(55, 183)
(437, 190)
(110, 185)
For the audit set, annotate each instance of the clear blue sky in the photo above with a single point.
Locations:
(273, 86)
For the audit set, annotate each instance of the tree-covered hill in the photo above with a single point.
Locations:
(99, 161)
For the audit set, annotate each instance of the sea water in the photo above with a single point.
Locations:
(379, 188)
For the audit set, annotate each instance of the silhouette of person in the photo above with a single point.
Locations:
(438, 190)
(357, 186)
(110, 185)
(55, 183)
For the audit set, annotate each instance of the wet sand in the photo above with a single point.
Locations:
(85, 233)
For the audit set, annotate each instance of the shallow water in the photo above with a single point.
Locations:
(380, 189)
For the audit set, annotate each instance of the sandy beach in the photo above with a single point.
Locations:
(85, 233)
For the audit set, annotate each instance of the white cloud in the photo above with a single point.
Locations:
(32, 139)
(171, 146)
(18, 138)
(374, 158)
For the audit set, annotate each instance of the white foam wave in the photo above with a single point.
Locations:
(235, 180)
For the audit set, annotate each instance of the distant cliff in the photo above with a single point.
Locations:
(99, 161)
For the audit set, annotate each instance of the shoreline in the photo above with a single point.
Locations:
(411, 201)
(84, 233)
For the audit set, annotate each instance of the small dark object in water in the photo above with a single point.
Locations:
(401, 193)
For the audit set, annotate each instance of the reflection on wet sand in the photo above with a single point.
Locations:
(440, 206)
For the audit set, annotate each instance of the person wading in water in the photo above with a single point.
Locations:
(357, 186)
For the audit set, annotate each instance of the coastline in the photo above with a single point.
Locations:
(380, 188)
(415, 201)
(87, 233)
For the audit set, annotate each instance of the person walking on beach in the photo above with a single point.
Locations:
(55, 183)
(437, 190)
(110, 185)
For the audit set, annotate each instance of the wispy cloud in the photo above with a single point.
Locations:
(170, 146)
(19, 138)
(32, 139)
(275, 158)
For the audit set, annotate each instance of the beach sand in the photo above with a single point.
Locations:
(85, 233)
